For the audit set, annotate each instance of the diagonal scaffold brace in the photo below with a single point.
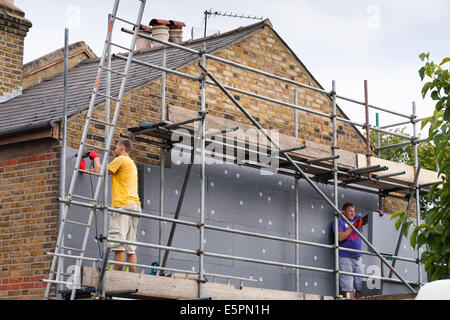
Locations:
(300, 171)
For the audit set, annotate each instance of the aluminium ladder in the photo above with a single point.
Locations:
(56, 276)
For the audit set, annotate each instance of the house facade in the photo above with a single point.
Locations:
(31, 113)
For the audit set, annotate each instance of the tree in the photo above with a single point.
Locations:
(434, 233)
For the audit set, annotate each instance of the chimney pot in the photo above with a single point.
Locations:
(160, 30)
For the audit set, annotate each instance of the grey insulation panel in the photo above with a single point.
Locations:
(238, 197)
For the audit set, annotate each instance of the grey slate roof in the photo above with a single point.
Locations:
(41, 105)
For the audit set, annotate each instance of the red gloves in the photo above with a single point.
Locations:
(358, 223)
(381, 213)
(82, 164)
(92, 155)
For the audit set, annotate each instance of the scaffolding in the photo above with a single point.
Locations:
(163, 129)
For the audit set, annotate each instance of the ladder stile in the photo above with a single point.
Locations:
(58, 255)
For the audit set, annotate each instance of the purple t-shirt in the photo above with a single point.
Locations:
(352, 241)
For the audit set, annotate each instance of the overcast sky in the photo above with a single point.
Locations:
(347, 40)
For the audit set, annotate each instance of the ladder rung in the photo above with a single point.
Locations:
(60, 282)
(74, 257)
(116, 72)
(78, 223)
(126, 21)
(82, 197)
(95, 147)
(106, 96)
(101, 121)
(119, 46)
(69, 248)
(90, 172)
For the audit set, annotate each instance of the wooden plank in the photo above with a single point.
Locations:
(425, 176)
(398, 296)
(157, 287)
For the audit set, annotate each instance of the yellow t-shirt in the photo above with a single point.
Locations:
(124, 183)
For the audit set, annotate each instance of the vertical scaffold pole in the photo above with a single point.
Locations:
(335, 188)
(377, 123)
(297, 213)
(366, 102)
(202, 177)
(416, 181)
(62, 174)
(161, 155)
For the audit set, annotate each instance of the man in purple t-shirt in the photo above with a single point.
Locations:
(350, 261)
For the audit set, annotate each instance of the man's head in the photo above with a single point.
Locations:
(348, 209)
(123, 147)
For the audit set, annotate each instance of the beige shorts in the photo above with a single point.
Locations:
(123, 227)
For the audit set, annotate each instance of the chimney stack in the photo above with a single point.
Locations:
(142, 43)
(176, 31)
(160, 30)
(13, 30)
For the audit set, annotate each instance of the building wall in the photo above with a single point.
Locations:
(30, 171)
(28, 216)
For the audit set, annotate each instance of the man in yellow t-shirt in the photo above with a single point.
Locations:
(124, 196)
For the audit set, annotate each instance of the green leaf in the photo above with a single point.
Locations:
(447, 114)
(445, 60)
(398, 224)
(405, 229)
(422, 73)
(395, 215)
(424, 55)
(435, 95)
(439, 229)
(425, 121)
(440, 104)
(425, 88)
(413, 238)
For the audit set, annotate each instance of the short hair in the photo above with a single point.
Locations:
(127, 144)
(348, 204)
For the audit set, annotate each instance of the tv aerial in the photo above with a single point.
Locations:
(210, 12)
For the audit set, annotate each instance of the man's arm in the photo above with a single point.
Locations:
(344, 234)
(97, 165)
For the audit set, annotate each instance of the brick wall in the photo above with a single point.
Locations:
(13, 29)
(28, 216)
